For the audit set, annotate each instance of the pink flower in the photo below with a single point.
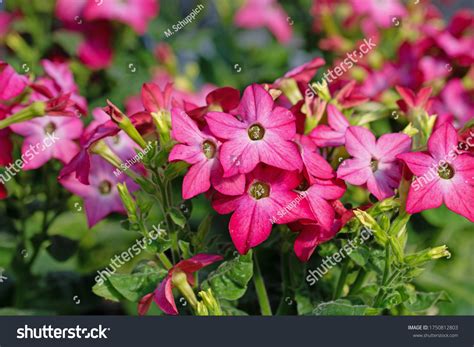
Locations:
(320, 194)
(101, 197)
(331, 135)
(136, 13)
(201, 151)
(262, 134)
(3, 192)
(381, 12)
(305, 72)
(80, 164)
(121, 144)
(443, 175)
(11, 83)
(457, 101)
(96, 50)
(59, 132)
(6, 146)
(374, 162)
(412, 101)
(265, 13)
(163, 295)
(266, 200)
(311, 235)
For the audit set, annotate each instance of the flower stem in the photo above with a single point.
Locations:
(36, 109)
(259, 283)
(164, 260)
(342, 279)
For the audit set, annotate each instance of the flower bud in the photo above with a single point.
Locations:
(427, 255)
(128, 202)
(211, 302)
(124, 123)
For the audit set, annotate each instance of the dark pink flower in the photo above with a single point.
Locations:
(136, 13)
(265, 13)
(96, 49)
(262, 134)
(412, 101)
(331, 135)
(305, 72)
(163, 295)
(319, 195)
(374, 163)
(267, 199)
(444, 174)
(6, 145)
(101, 196)
(48, 137)
(11, 83)
(3, 192)
(201, 151)
(381, 12)
(457, 101)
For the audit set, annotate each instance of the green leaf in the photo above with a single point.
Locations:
(132, 286)
(229, 310)
(344, 308)
(178, 217)
(229, 281)
(360, 255)
(424, 301)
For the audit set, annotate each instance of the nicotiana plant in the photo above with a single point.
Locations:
(298, 173)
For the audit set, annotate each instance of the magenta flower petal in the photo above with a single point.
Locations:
(360, 142)
(309, 238)
(427, 197)
(11, 83)
(164, 297)
(442, 141)
(250, 224)
(390, 145)
(238, 156)
(189, 154)
(144, 304)
(418, 162)
(234, 185)
(225, 126)
(256, 104)
(197, 262)
(279, 153)
(355, 171)
(456, 200)
(325, 136)
(183, 128)
(197, 179)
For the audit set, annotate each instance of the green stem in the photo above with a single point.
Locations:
(342, 279)
(36, 109)
(359, 281)
(386, 273)
(164, 260)
(259, 283)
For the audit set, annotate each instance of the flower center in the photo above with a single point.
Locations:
(304, 185)
(446, 172)
(209, 149)
(105, 187)
(49, 128)
(259, 190)
(374, 165)
(116, 139)
(256, 132)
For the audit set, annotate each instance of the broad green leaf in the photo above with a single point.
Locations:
(229, 281)
(229, 310)
(178, 217)
(344, 308)
(424, 301)
(134, 286)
